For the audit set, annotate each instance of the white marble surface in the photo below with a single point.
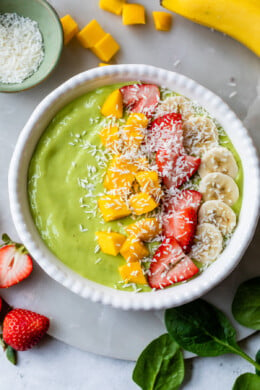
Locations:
(211, 59)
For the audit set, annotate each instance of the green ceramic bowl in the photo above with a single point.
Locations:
(51, 29)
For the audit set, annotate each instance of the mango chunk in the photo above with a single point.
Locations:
(162, 20)
(110, 242)
(149, 182)
(70, 28)
(114, 6)
(120, 174)
(133, 250)
(134, 129)
(142, 203)
(103, 64)
(113, 207)
(105, 48)
(133, 14)
(113, 105)
(145, 229)
(110, 137)
(133, 273)
(91, 34)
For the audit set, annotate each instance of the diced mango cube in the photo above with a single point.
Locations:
(113, 207)
(142, 203)
(110, 137)
(106, 48)
(110, 242)
(120, 174)
(145, 229)
(91, 34)
(103, 64)
(134, 129)
(133, 250)
(162, 20)
(149, 182)
(114, 6)
(113, 105)
(70, 28)
(133, 14)
(133, 273)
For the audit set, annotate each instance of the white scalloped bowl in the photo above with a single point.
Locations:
(177, 295)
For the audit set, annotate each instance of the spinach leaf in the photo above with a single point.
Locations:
(246, 304)
(160, 366)
(247, 381)
(201, 328)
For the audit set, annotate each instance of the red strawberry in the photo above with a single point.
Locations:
(182, 226)
(170, 265)
(176, 170)
(186, 198)
(166, 134)
(22, 329)
(141, 98)
(15, 263)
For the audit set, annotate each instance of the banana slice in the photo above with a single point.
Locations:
(218, 186)
(200, 134)
(178, 104)
(219, 214)
(208, 243)
(218, 159)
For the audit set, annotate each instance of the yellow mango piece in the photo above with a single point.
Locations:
(113, 207)
(133, 273)
(120, 174)
(103, 64)
(162, 20)
(134, 129)
(105, 48)
(133, 14)
(142, 203)
(91, 34)
(70, 28)
(110, 137)
(133, 250)
(145, 229)
(113, 105)
(149, 182)
(110, 242)
(114, 6)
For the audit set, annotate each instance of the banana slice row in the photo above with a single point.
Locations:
(218, 186)
(218, 159)
(200, 134)
(219, 214)
(208, 243)
(178, 104)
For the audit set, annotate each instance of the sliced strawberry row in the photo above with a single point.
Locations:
(141, 98)
(170, 265)
(180, 219)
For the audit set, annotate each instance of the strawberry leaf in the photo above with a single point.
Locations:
(11, 355)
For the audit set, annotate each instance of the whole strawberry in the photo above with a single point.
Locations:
(22, 329)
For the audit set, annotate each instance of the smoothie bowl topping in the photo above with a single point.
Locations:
(135, 187)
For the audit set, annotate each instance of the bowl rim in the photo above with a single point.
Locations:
(171, 297)
(52, 10)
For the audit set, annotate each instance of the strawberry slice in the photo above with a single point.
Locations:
(186, 198)
(182, 226)
(141, 98)
(170, 265)
(15, 263)
(166, 133)
(176, 170)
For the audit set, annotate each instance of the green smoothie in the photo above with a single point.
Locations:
(65, 181)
